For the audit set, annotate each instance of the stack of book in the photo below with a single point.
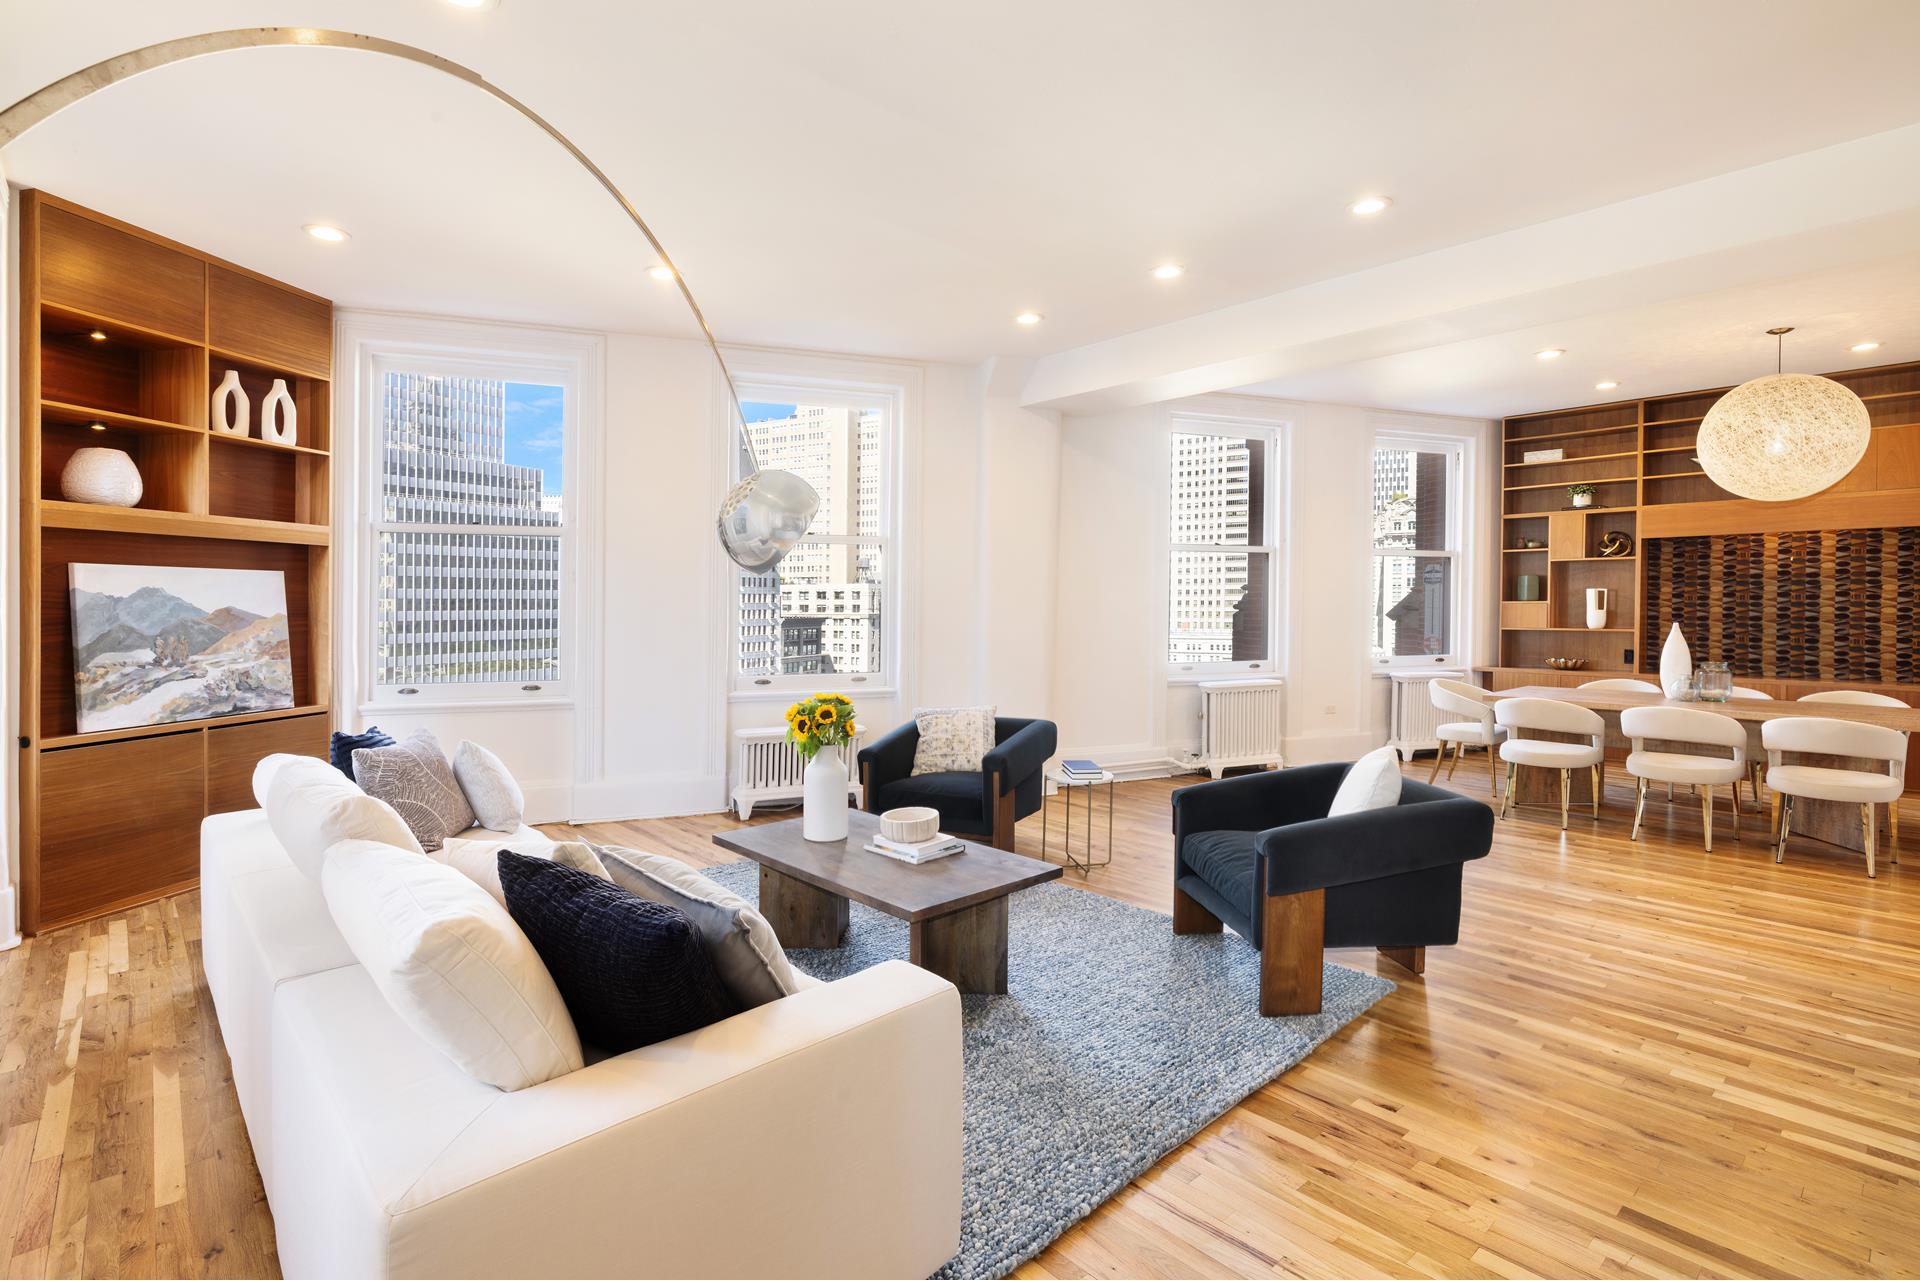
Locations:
(1080, 771)
(917, 851)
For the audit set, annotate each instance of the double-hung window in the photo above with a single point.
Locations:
(471, 540)
(826, 614)
(1223, 561)
(1416, 551)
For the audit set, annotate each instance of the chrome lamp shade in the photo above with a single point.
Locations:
(764, 516)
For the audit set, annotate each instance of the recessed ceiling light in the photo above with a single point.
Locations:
(98, 335)
(1169, 271)
(1866, 346)
(1028, 318)
(1368, 206)
(1607, 385)
(96, 426)
(1551, 353)
(660, 271)
(326, 231)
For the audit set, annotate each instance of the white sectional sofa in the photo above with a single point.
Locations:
(817, 1135)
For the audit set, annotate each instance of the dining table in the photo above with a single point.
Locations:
(1836, 822)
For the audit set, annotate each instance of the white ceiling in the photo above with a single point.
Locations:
(862, 175)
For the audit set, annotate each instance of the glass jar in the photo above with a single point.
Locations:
(1716, 682)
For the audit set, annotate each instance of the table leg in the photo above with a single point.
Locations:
(802, 915)
(967, 948)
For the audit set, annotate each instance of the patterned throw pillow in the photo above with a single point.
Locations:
(345, 745)
(631, 971)
(416, 778)
(952, 739)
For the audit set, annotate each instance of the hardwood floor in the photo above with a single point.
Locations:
(1640, 1060)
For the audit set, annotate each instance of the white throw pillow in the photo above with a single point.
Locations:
(490, 787)
(452, 964)
(266, 768)
(952, 739)
(478, 857)
(1372, 783)
(311, 805)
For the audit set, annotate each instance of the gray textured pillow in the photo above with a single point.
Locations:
(489, 787)
(416, 778)
(952, 738)
(745, 953)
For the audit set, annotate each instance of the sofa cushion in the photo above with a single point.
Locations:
(342, 747)
(451, 963)
(955, 794)
(1224, 860)
(416, 778)
(742, 946)
(1371, 783)
(478, 858)
(632, 971)
(489, 787)
(310, 807)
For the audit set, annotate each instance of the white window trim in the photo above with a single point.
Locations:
(573, 360)
(1460, 525)
(806, 379)
(1276, 434)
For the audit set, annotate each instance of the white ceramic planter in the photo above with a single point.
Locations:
(824, 796)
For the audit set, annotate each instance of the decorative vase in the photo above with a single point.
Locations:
(279, 420)
(1716, 682)
(1676, 665)
(1527, 587)
(99, 475)
(1596, 608)
(231, 413)
(824, 796)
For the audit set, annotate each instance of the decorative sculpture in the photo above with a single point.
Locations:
(231, 413)
(97, 474)
(279, 418)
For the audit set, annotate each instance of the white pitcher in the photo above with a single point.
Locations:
(1596, 607)
(823, 785)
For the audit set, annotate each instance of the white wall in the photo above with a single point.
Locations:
(1112, 695)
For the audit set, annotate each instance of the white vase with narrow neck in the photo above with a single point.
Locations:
(1676, 664)
(1596, 608)
(823, 805)
(279, 420)
(231, 412)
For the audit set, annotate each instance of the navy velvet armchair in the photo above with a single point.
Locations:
(1259, 853)
(988, 803)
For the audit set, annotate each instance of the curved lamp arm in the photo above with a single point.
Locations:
(762, 517)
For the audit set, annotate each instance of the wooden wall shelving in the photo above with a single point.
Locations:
(1639, 455)
(124, 335)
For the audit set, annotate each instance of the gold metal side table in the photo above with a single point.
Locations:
(1065, 788)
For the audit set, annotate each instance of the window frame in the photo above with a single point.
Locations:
(834, 392)
(376, 362)
(1273, 435)
(1457, 553)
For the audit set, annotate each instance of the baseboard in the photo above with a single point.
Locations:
(547, 802)
(656, 796)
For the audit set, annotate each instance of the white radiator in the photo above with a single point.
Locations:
(1242, 723)
(767, 768)
(1414, 717)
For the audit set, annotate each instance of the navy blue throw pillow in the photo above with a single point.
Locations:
(343, 745)
(631, 971)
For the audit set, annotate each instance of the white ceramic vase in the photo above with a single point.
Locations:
(231, 413)
(1676, 664)
(823, 805)
(100, 475)
(1596, 608)
(279, 420)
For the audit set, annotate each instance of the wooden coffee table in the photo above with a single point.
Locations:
(955, 907)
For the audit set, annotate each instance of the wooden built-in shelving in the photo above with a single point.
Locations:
(124, 335)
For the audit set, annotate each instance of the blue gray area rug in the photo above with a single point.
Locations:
(1116, 1042)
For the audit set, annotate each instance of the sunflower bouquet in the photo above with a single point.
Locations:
(825, 720)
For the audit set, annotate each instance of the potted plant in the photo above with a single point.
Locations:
(824, 721)
(1582, 495)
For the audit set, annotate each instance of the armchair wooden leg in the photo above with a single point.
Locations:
(1565, 786)
(1639, 809)
(1407, 958)
(1189, 917)
(1493, 778)
(1439, 757)
(1003, 821)
(866, 789)
(1459, 749)
(1293, 935)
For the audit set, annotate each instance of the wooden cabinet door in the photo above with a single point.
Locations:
(119, 823)
(233, 751)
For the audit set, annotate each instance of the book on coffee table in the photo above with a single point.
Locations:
(939, 846)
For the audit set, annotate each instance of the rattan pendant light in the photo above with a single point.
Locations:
(1783, 436)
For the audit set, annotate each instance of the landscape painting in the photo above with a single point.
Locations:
(154, 644)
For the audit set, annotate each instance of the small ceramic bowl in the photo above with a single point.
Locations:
(915, 823)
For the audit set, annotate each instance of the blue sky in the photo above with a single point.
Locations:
(759, 411)
(535, 421)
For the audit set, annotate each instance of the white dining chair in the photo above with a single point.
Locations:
(1857, 697)
(1817, 735)
(1622, 684)
(1685, 725)
(1742, 691)
(1476, 728)
(1548, 715)
(1755, 766)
